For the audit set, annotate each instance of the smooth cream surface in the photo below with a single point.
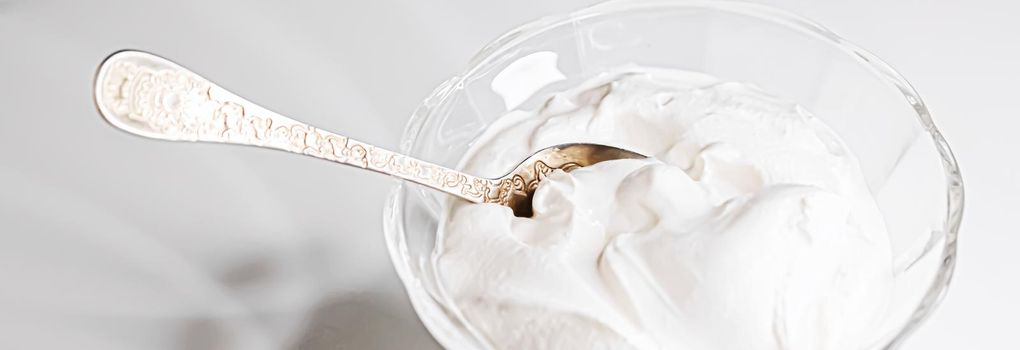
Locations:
(751, 226)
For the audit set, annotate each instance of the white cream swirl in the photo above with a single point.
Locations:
(750, 228)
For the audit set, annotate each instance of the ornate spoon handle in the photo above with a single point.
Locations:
(150, 96)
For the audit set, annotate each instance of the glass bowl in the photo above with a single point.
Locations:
(908, 165)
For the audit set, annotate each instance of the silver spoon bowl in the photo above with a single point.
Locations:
(150, 96)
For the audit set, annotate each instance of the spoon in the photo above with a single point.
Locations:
(150, 96)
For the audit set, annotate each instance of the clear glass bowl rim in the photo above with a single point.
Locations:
(392, 213)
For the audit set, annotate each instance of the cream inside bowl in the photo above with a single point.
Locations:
(905, 167)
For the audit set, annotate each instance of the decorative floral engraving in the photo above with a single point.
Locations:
(540, 171)
(176, 104)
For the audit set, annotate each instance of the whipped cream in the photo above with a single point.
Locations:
(751, 227)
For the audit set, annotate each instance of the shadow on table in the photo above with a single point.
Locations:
(360, 321)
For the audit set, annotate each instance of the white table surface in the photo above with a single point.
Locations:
(108, 241)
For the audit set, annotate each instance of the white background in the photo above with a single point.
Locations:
(114, 242)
